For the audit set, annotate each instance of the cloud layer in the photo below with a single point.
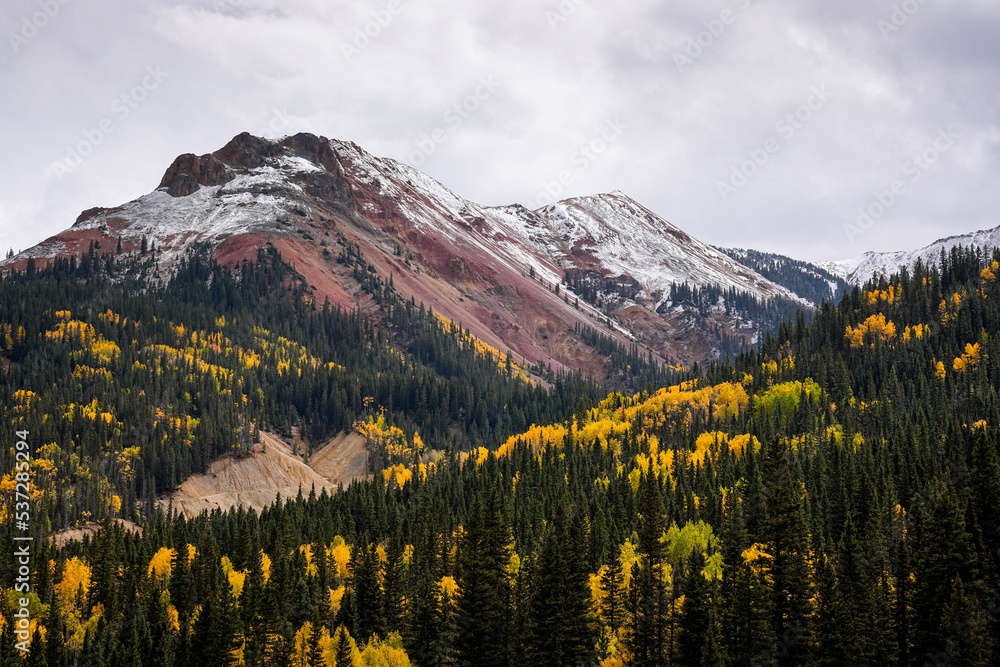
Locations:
(811, 129)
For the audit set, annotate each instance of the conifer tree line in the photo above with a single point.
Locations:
(826, 499)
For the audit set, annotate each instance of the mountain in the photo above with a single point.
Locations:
(831, 492)
(859, 270)
(807, 281)
(544, 284)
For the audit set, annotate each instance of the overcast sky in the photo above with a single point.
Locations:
(757, 123)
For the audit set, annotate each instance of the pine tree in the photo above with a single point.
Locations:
(964, 630)
(561, 628)
(944, 553)
(696, 623)
(368, 593)
(612, 608)
(745, 604)
(485, 589)
(787, 568)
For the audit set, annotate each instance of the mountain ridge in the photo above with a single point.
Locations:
(504, 272)
(858, 270)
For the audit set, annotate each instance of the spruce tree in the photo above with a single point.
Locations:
(787, 567)
(484, 588)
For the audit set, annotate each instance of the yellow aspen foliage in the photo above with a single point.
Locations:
(335, 598)
(738, 444)
(969, 360)
(694, 536)
(76, 575)
(628, 557)
(916, 332)
(990, 273)
(703, 446)
(513, 565)
(341, 555)
(265, 566)
(192, 551)
(397, 475)
(784, 398)
(174, 619)
(448, 586)
(537, 438)
(876, 326)
(162, 563)
(597, 595)
(385, 653)
(949, 308)
(889, 296)
(757, 557)
(300, 652)
(227, 565)
(236, 581)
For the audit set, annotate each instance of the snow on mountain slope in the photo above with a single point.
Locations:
(859, 270)
(615, 234)
(307, 196)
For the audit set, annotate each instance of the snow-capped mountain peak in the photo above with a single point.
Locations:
(858, 270)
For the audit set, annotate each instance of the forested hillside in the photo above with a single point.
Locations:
(827, 499)
(813, 283)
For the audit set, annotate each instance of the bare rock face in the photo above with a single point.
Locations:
(246, 151)
(189, 172)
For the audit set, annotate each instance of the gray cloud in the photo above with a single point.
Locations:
(387, 76)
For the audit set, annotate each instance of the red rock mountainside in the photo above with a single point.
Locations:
(472, 264)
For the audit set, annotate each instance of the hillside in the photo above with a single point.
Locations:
(253, 481)
(826, 499)
(807, 281)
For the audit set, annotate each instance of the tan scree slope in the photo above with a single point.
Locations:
(254, 481)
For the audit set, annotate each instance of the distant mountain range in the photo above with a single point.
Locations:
(859, 270)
